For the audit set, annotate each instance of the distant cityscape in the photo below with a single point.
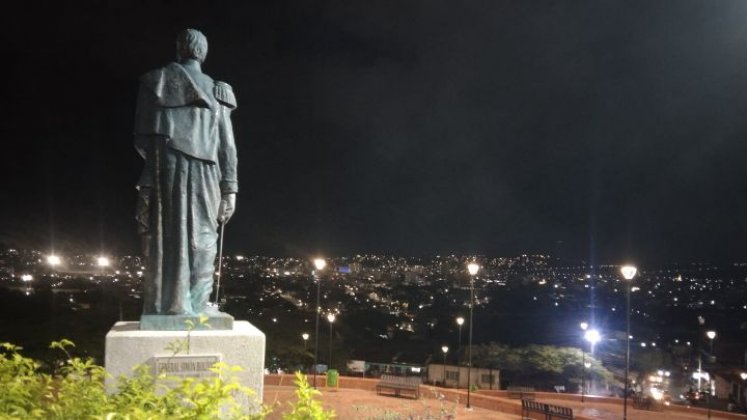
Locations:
(400, 310)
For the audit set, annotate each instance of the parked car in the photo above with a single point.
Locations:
(694, 397)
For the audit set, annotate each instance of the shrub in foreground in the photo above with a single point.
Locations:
(76, 391)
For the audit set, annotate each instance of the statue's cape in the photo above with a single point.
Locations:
(173, 86)
(186, 108)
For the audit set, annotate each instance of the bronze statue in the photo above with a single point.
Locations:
(189, 183)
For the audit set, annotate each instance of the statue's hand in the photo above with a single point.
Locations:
(227, 207)
(142, 210)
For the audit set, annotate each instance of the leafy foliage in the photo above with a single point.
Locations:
(307, 407)
(76, 390)
(22, 389)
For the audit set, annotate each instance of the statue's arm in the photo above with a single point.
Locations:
(227, 150)
(229, 183)
(146, 119)
(145, 116)
(227, 159)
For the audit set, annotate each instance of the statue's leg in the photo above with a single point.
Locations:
(176, 245)
(204, 269)
(204, 200)
(151, 246)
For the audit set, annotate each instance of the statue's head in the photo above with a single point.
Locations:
(191, 43)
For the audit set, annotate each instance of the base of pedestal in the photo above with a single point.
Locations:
(128, 346)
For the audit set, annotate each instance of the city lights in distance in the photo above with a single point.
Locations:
(53, 260)
(27, 277)
(103, 262)
(320, 263)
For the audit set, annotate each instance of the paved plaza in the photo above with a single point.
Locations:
(365, 404)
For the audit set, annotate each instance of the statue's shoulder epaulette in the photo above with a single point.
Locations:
(224, 94)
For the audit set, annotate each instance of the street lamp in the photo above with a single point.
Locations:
(593, 337)
(472, 268)
(319, 264)
(331, 319)
(583, 326)
(711, 335)
(628, 272)
(444, 349)
(460, 322)
(102, 262)
(305, 337)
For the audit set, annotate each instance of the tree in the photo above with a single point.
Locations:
(540, 366)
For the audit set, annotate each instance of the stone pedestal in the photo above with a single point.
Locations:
(127, 346)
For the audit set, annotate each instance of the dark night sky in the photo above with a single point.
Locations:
(594, 130)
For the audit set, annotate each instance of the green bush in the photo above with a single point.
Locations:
(76, 390)
(307, 407)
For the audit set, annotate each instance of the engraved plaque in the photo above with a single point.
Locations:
(193, 366)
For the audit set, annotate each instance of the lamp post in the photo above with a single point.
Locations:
(583, 326)
(331, 319)
(305, 337)
(319, 264)
(445, 349)
(711, 335)
(628, 272)
(460, 322)
(472, 268)
(593, 337)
